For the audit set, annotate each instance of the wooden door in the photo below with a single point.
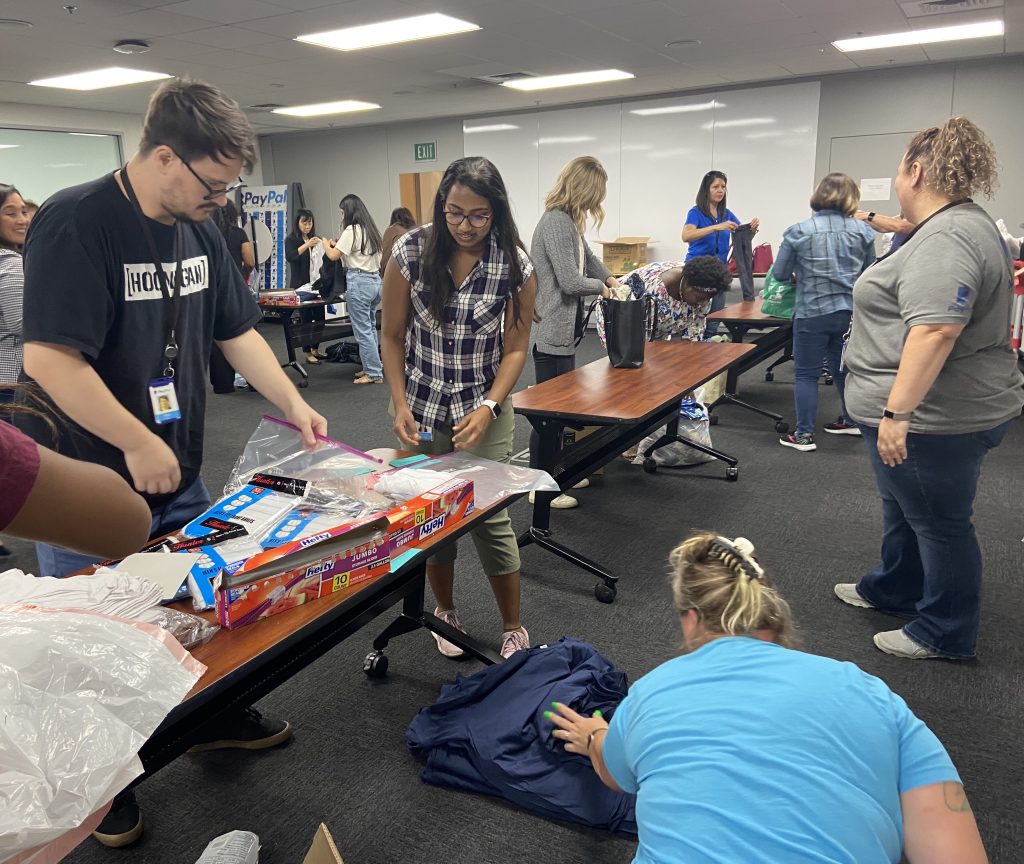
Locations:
(417, 191)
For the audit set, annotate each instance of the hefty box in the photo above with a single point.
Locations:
(625, 253)
(414, 521)
(298, 572)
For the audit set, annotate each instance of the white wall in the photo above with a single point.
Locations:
(763, 139)
(364, 161)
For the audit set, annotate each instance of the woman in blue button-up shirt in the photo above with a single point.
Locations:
(825, 254)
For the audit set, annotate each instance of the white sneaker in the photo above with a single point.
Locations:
(899, 644)
(451, 618)
(560, 502)
(583, 484)
(512, 641)
(848, 593)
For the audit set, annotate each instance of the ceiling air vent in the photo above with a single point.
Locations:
(923, 8)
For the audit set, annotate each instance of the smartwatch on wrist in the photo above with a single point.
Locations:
(493, 407)
(871, 216)
(892, 415)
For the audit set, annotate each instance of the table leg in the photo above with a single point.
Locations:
(772, 342)
(287, 324)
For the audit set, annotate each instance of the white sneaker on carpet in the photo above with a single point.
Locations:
(583, 484)
(848, 593)
(512, 641)
(451, 618)
(560, 502)
(899, 644)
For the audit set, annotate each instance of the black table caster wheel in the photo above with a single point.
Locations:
(375, 665)
(650, 465)
(828, 380)
(782, 427)
(713, 419)
(304, 383)
(732, 474)
(604, 592)
(769, 376)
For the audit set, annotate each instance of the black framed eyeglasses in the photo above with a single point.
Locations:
(212, 194)
(477, 220)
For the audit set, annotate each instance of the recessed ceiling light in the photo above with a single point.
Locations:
(494, 127)
(389, 32)
(88, 134)
(97, 79)
(343, 107)
(13, 24)
(678, 109)
(8, 146)
(572, 79)
(566, 139)
(922, 37)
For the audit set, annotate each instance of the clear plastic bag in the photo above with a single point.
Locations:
(190, 630)
(235, 847)
(276, 448)
(693, 425)
(79, 695)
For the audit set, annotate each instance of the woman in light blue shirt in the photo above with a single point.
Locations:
(743, 749)
(825, 254)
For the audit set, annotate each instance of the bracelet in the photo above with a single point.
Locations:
(590, 737)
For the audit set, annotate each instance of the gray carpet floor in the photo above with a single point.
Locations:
(815, 520)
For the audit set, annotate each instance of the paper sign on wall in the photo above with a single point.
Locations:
(875, 189)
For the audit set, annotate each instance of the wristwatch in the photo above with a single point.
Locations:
(871, 215)
(493, 406)
(892, 415)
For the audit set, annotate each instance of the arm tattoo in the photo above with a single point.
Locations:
(955, 797)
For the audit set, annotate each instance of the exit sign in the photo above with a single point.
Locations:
(426, 152)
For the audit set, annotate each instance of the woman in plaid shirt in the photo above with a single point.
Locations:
(458, 300)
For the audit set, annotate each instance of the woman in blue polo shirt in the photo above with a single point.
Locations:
(709, 226)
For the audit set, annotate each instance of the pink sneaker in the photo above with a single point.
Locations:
(512, 641)
(451, 618)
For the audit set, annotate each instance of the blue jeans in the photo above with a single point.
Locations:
(816, 339)
(363, 297)
(180, 510)
(717, 302)
(931, 562)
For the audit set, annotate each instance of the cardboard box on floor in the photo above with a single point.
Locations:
(624, 253)
(322, 850)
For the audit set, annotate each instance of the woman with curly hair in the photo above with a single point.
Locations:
(934, 385)
(744, 749)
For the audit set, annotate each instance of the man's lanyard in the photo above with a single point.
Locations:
(172, 294)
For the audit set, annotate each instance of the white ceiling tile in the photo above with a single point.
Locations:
(960, 50)
(226, 11)
(888, 56)
(228, 37)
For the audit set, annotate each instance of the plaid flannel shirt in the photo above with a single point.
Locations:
(449, 369)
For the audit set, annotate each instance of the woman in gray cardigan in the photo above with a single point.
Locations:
(567, 271)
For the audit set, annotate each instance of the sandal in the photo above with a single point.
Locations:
(366, 379)
(313, 360)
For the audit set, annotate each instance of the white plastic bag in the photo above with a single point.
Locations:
(79, 695)
(694, 425)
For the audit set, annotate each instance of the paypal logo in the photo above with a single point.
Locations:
(254, 200)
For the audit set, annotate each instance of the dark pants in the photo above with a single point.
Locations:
(931, 562)
(743, 255)
(313, 317)
(816, 339)
(717, 302)
(222, 374)
(546, 367)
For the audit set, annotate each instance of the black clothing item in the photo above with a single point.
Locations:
(222, 374)
(743, 255)
(236, 237)
(546, 367)
(298, 262)
(90, 285)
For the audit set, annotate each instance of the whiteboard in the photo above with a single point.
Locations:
(763, 138)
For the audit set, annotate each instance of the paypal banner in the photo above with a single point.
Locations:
(268, 206)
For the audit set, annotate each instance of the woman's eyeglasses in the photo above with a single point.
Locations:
(477, 220)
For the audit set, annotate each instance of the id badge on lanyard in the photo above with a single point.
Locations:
(163, 396)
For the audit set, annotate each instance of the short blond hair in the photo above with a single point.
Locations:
(579, 191)
(836, 191)
(957, 157)
(729, 590)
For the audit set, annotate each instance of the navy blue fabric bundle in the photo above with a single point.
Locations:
(487, 733)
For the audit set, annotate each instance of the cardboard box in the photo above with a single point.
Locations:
(307, 569)
(624, 253)
(322, 850)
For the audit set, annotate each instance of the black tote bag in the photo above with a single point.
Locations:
(628, 324)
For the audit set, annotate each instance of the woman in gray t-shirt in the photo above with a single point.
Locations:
(934, 385)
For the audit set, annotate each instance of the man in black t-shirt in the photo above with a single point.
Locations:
(127, 285)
